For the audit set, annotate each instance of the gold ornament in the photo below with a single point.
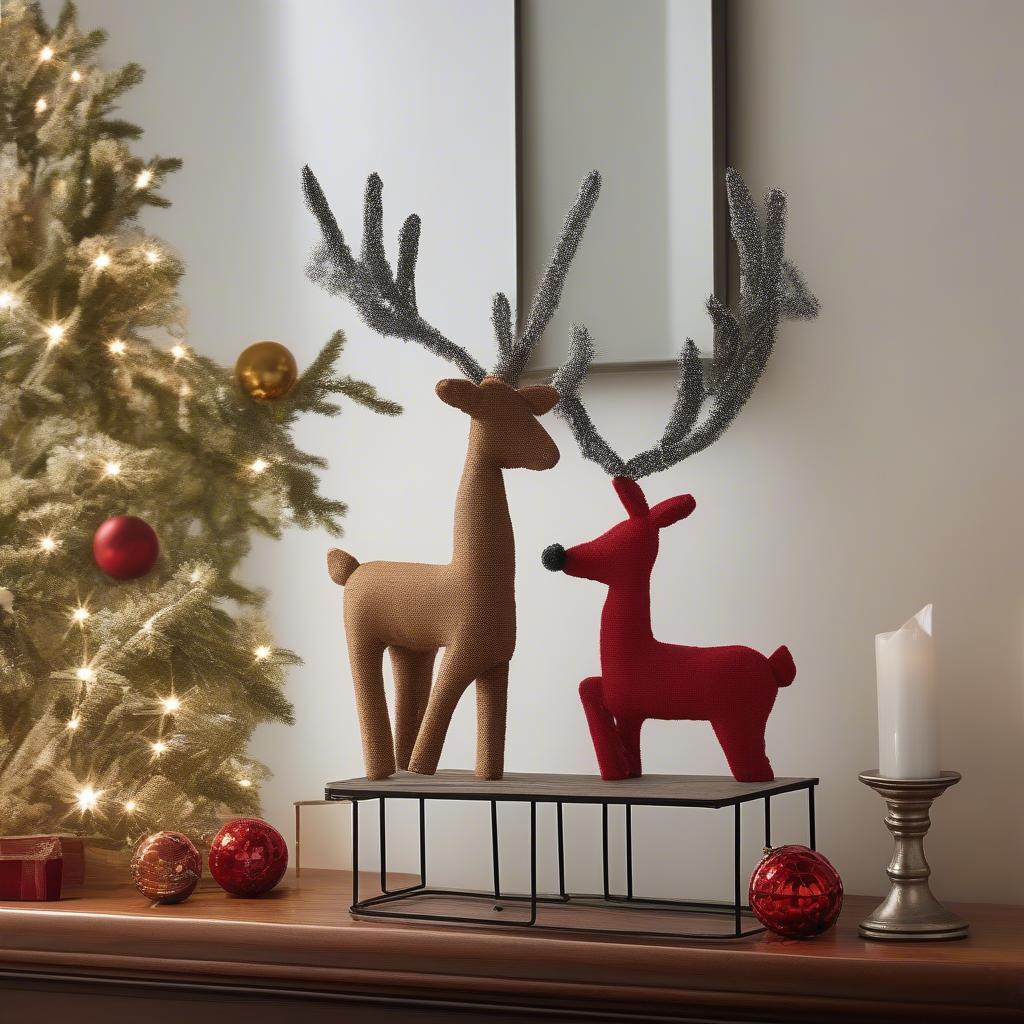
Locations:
(266, 369)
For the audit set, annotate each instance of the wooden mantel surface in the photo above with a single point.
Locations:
(301, 939)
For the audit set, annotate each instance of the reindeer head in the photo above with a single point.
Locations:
(629, 549)
(505, 425)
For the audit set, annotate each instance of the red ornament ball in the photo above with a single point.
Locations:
(248, 857)
(166, 867)
(796, 892)
(125, 547)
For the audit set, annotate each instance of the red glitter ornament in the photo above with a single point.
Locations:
(796, 892)
(166, 867)
(248, 857)
(125, 547)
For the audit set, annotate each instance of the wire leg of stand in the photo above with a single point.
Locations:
(533, 863)
(604, 846)
(629, 851)
(736, 869)
(767, 822)
(355, 852)
(423, 843)
(561, 850)
(382, 804)
(810, 818)
(494, 849)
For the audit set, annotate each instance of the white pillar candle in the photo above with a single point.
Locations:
(908, 713)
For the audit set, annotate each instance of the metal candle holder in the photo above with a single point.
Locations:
(910, 913)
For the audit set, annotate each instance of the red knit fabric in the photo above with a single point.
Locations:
(733, 688)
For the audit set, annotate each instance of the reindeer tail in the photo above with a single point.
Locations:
(783, 667)
(340, 565)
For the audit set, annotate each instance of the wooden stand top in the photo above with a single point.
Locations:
(671, 790)
(300, 939)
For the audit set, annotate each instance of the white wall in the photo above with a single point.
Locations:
(876, 468)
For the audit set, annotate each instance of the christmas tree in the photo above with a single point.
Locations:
(126, 705)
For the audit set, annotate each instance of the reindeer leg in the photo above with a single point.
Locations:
(413, 672)
(611, 754)
(365, 658)
(629, 732)
(743, 746)
(491, 705)
(452, 679)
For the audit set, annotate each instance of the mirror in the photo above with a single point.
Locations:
(634, 90)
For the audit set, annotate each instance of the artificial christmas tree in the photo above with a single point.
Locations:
(125, 703)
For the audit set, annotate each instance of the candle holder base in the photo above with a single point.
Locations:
(910, 913)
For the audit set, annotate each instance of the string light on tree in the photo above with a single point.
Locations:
(144, 178)
(262, 653)
(73, 724)
(87, 798)
(102, 261)
(112, 468)
(178, 352)
(159, 747)
(170, 704)
(46, 53)
(117, 347)
(76, 76)
(245, 783)
(152, 256)
(130, 806)
(259, 466)
(47, 544)
(85, 673)
(54, 334)
(41, 105)
(80, 615)
(7, 300)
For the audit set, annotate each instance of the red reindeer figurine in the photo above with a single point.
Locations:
(733, 688)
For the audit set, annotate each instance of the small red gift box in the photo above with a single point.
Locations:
(31, 868)
(72, 848)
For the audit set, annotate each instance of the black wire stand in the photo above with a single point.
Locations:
(668, 791)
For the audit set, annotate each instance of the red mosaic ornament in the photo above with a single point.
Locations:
(125, 547)
(166, 867)
(795, 892)
(248, 857)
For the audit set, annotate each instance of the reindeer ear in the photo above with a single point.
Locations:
(541, 398)
(632, 498)
(671, 510)
(459, 394)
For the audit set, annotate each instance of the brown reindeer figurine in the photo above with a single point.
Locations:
(466, 606)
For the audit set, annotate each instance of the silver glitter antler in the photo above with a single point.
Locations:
(771, 289)
(386, 300)
(513, 357)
